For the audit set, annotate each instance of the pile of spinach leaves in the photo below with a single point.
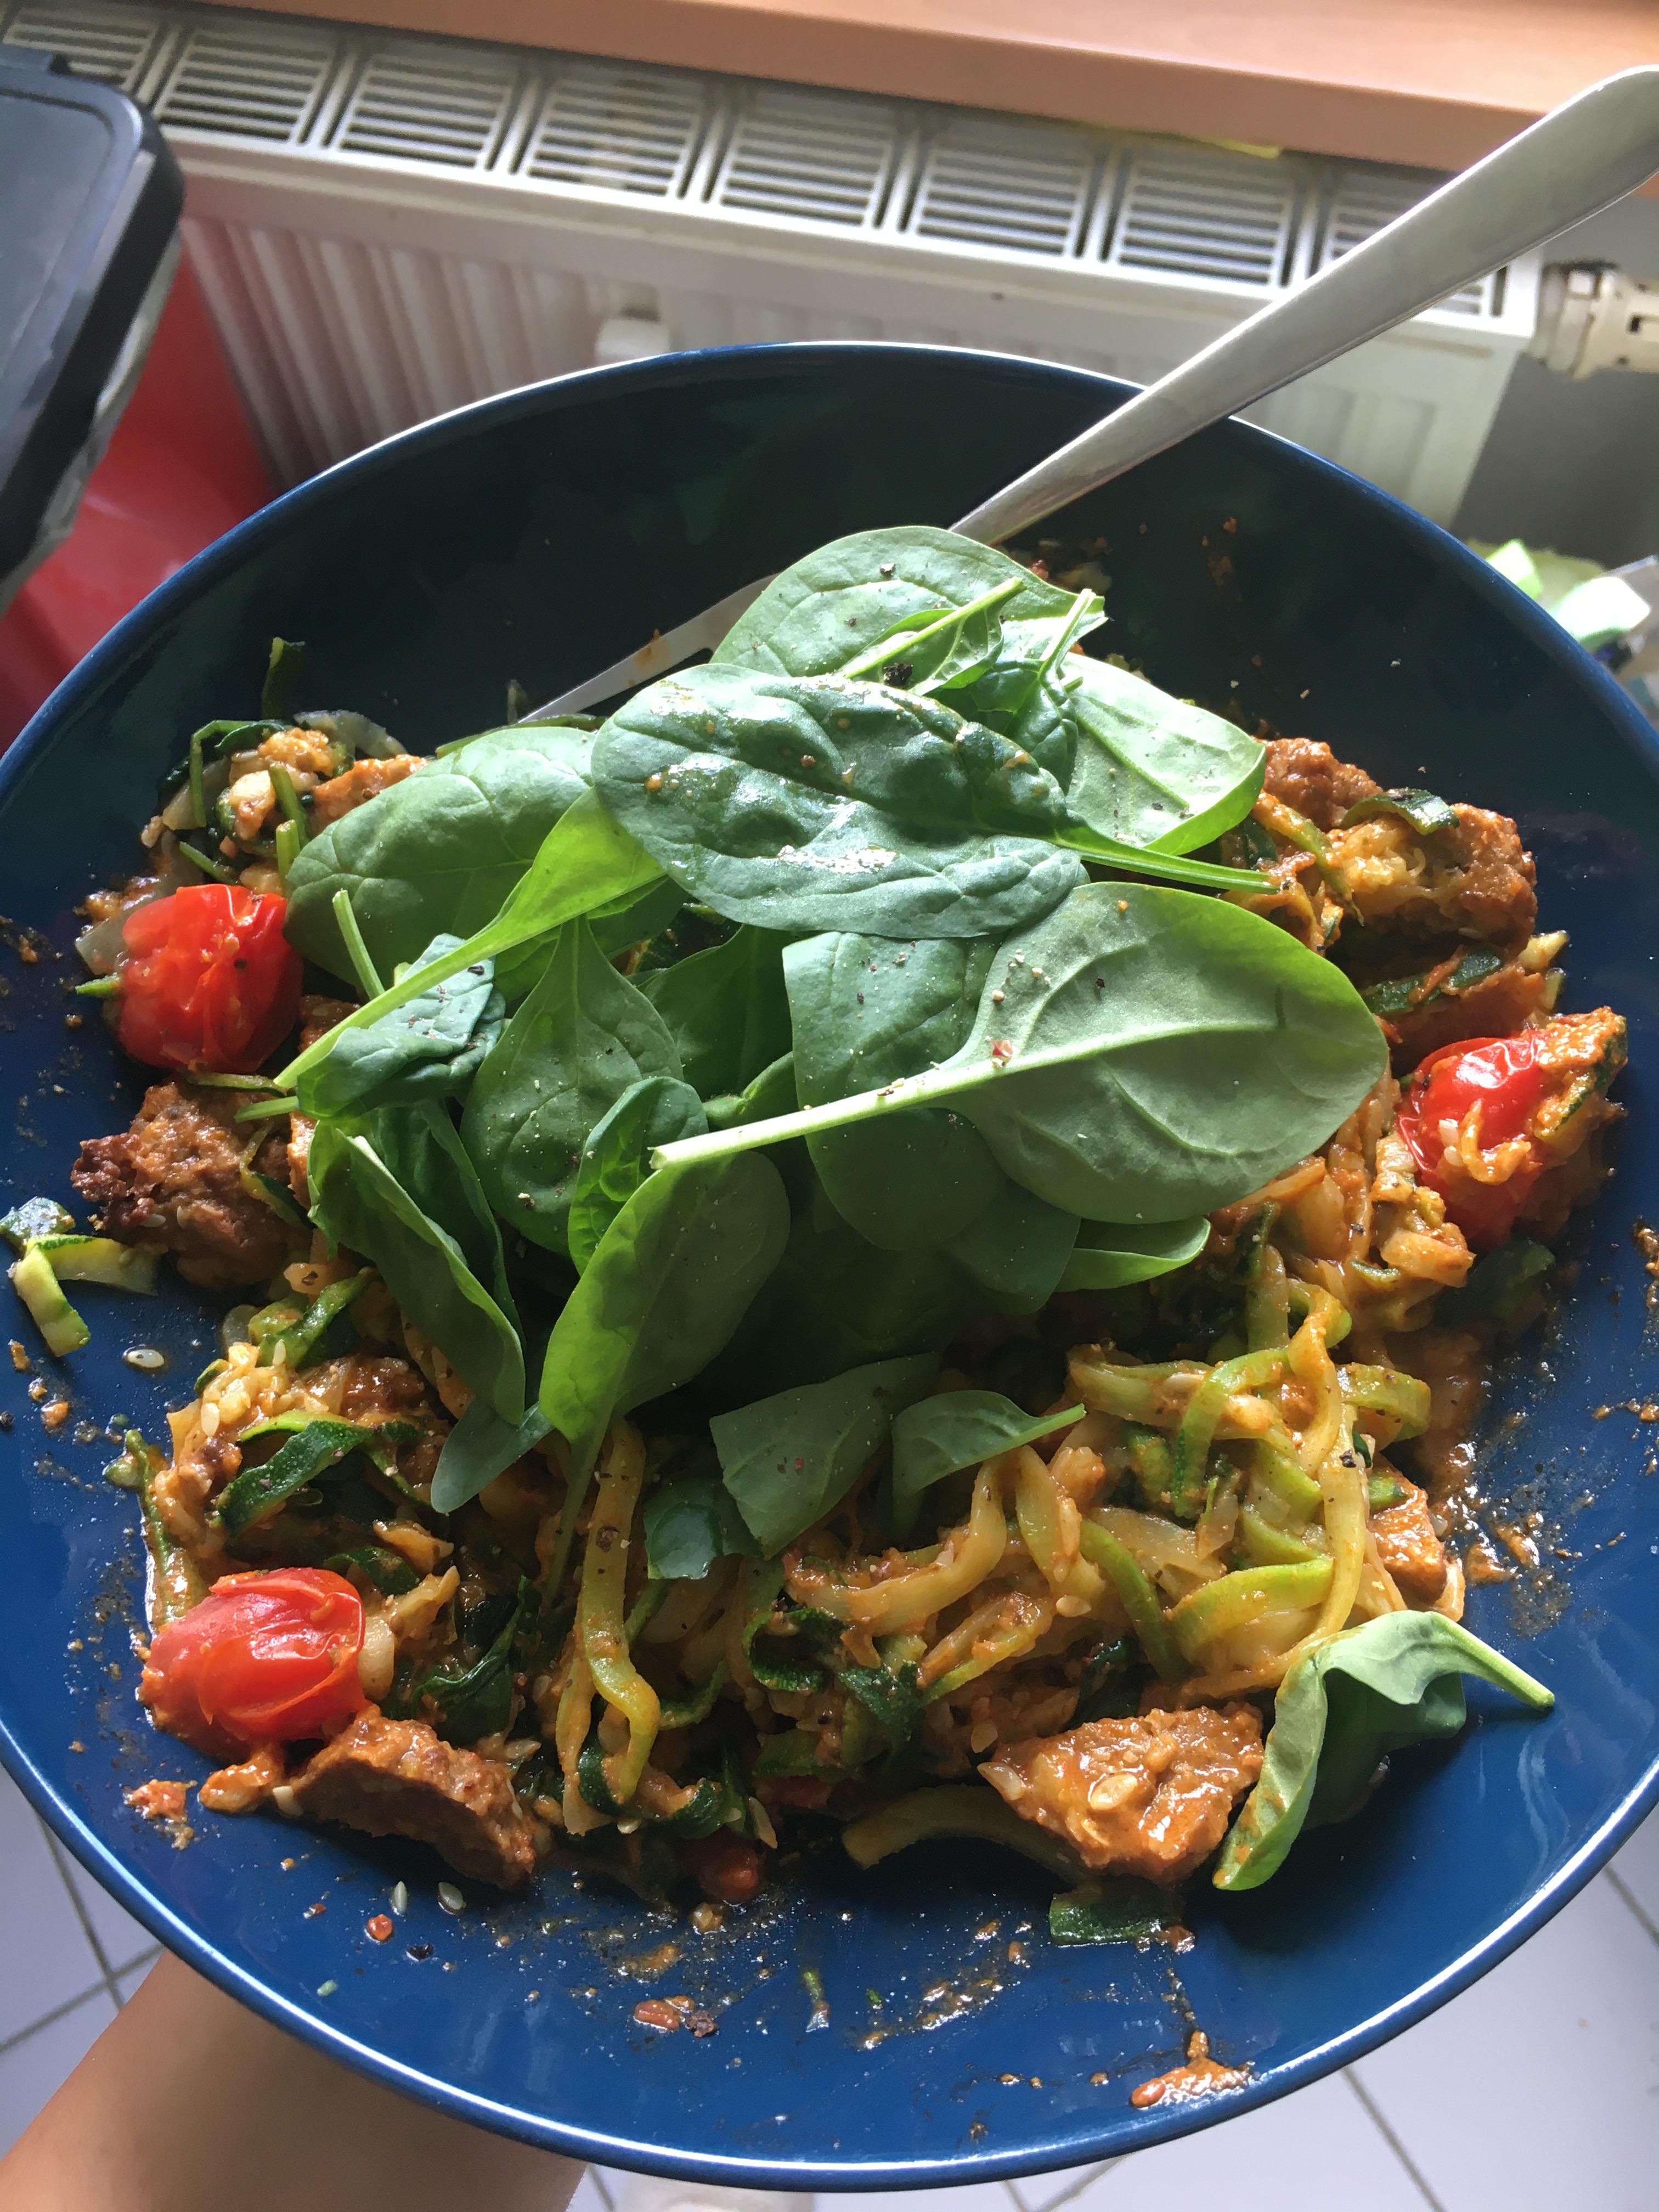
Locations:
(938, 1011)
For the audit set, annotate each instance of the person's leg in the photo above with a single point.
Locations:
(189, 2102)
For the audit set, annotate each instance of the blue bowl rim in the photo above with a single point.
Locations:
(1137, 2131)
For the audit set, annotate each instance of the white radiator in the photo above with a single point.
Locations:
(388, 227)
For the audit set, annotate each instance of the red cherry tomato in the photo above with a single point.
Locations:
(264, 1656)
(1503, 1075)
(726, 1867)
(209, 981)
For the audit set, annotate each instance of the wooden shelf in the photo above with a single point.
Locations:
(1433, 82)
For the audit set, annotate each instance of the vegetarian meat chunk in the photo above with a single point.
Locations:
(1309, 776)
(1150, 1796)
(1472, 879)
(400, 1778)
(364, 780)
(175, 1180)
(1408, 1547)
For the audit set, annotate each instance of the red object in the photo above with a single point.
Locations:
(264, 1657)
(726, 1867)
(1502, 1076)
(209, 981)
(182, 469)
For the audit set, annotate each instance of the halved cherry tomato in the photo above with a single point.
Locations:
(209, 981)
(1504, 1077)
(264, 1656)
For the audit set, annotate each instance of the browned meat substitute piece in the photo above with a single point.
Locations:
(1308, 775)
(175, 1180)
(1152, 1794)
(400, 1778)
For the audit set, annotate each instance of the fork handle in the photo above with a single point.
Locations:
(1580, 158)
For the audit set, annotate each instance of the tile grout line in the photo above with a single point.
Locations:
(1616, 1882)
(1375, 2113)
(81, 1913)
(50, 2018)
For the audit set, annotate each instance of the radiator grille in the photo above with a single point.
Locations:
(806, 157)
(560, 191)
(265, 80)
(618, 130)
(411, 105)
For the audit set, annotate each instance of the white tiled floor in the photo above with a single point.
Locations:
(1537, 2089)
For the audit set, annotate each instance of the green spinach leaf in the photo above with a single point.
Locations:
(418, 1145)
(1341, 1708)
(439, 851)
(585, 862)
(726, 1011)
(772, 1091)
(1015, 1254)
(867, 1011)
(356, 1200)
(1140, 1055)
(954, 1429)
(481, 1446)
(583, 1038)
(689, 1526)
(429, 1048)
(1153, 770)
(465, 1704)
(669, 1283)
(837, 1301)
(819, 803)
(1109, 1254)
(617, 1156)
(788, 1459)
(844, 597)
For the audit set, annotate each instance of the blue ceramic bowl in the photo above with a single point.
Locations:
(536, 537)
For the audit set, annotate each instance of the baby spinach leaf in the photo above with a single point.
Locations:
(431, 1047)
(1153, 770)
(465, 1704)
(583, 1038)
(1107, 1254)
(481, 1446)
(617, 926)
(439, 851)
(842, 598)
(418, 1145)
(772, 1091)
(1500, 1283)
(669, 1283)
(689, 1526)
(1015, 1254)
(1341, 1708)
(616, 1158)
(788, 1459)
(1154, 1055)
(587, 862)
(940, 1435)
(1140, 1054)
(837, 1301)
(726, 1009)
(357, 1201)
(817, 803)
(867, 1010)
(929, 651)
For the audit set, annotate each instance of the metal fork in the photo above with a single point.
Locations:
(1580, 158)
